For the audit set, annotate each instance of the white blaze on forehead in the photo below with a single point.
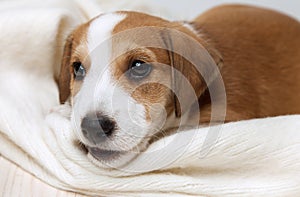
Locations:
(99, 46)
(99, 33)
(101, 93)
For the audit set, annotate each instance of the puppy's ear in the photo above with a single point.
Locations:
(65, 71)
(195, 64)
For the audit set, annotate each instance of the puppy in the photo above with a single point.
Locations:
(129, 75)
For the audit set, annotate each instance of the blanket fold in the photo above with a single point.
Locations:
(249, 158)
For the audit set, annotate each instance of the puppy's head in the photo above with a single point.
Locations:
(128, 80)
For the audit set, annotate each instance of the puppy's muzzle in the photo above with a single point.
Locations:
(97, 128)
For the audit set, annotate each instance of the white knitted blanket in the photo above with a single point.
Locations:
(247, 158)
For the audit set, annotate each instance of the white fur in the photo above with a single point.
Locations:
(190, 27)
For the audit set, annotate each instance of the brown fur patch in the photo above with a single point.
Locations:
(80, 53)
(143, 92)
(261, 51)
(152, 93)
(75, 51)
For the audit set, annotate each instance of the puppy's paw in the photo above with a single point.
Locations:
(59, 116)
(62, 110)
(58, 119)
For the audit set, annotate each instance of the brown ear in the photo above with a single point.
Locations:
(194, 67)
(65, 73)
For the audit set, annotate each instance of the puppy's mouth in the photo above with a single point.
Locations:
(103, 155)
(107, 158)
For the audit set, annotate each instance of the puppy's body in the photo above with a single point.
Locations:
(118, 109)
(261, 54)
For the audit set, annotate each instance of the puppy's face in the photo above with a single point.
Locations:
(119, 75)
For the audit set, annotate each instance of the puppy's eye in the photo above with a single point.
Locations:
(139, 69)
(79, 71)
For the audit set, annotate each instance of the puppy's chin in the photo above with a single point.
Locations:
(114, 159)
(108, 159)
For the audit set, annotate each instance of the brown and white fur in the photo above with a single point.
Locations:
(257, 52)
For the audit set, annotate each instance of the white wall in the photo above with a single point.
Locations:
(187, 9)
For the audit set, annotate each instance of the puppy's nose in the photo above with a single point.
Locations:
(97, 128)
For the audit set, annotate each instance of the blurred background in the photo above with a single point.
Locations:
(188, 9)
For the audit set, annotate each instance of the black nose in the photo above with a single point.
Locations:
(97, 128)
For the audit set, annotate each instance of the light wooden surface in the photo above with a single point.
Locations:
(15, 182)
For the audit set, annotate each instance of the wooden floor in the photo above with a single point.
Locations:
(14, 182)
